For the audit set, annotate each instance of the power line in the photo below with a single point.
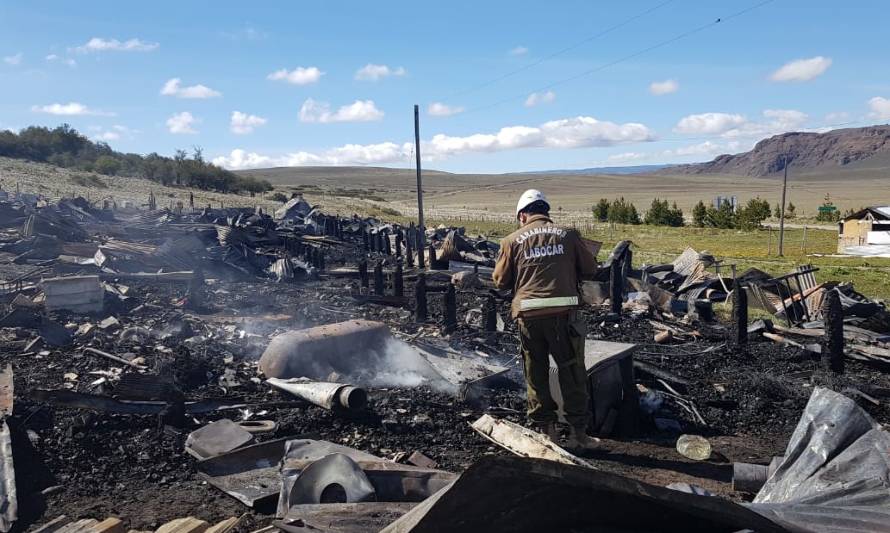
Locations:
(622, 59)
(558, 52)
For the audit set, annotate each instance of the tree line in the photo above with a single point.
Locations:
(65, 147)
(660, 213)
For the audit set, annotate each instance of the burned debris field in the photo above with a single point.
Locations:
(233, 370)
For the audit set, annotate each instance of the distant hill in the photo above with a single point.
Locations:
(852, 149)
(633, 169)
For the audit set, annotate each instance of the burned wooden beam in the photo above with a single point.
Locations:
(378, 279)
(739, 329)
(833, 342)
(409, 247)
(490, 318)
(616, 287)
(419, 246)
(366, 246)
(399, 281)
(399, 243)
(450, 308)
(420, 305)
(363, 274)
(387, 247)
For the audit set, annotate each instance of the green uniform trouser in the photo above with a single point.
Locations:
(561, 336)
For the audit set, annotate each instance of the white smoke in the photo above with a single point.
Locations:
(400, 365)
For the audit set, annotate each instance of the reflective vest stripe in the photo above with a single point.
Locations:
(542, 303)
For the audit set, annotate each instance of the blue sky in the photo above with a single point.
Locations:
(288, 83)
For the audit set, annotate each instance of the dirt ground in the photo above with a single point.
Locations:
(134, 467)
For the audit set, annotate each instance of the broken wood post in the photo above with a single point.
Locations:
(450, 308)
(409, 248)
(399, 281)
(196, 290)
(399, 243)
(616, 288)
(320, 256)
(419, 246)
(378, 278)
(739, 330)
(365, 244)
(432, 257)
(627, 264)
(833, 342)
(372, 239)
(420, 309)
(387, 248)
(490, 318)
(363, 274)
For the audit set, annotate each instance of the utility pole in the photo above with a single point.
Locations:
(782, 210)
(421, 227)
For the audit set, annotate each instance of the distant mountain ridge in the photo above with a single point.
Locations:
(849, 148)
(632, 169)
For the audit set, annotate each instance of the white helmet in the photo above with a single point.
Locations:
(528, 198)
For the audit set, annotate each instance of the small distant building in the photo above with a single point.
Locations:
(733, 201)
(865, 232)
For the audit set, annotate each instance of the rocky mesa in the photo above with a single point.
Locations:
(843, 148)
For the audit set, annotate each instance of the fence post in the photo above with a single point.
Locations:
(804, 245)
(769, 242)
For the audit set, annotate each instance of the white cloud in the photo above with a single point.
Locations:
(731, 126)
(776, 121)
(297, 76)
(438, 109)
(705, 148)
(173, 87)
(13, 60)
(372, 72)
(66, 60)
(540, 98)
(519, 51)
(182, 123)
(659, 88)
(69, 109)
(880, 108)
(350, 154)
(709, 123)
(627, 157)
(576, 132)
(98, 44)
(802, 69)
(358, 111)
(837, 117)
(242, 123)
(114, 133)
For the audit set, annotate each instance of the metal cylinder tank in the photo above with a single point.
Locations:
(317, 352)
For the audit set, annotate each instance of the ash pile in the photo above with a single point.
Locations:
(230, 370)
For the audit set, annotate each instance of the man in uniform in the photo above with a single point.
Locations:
(543, 263)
